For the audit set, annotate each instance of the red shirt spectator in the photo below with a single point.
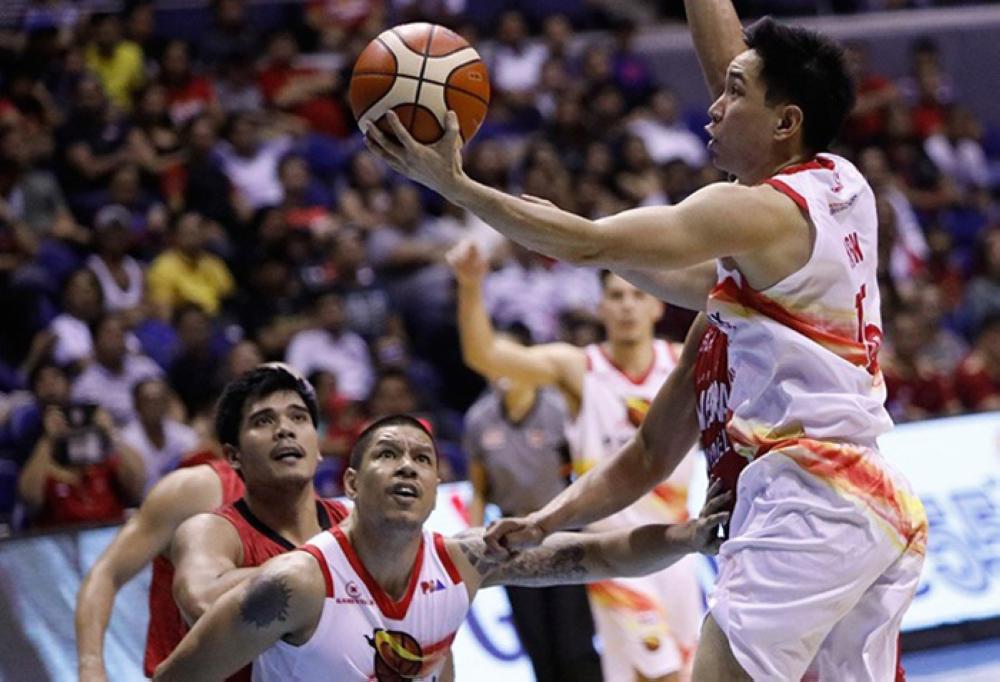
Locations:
(977, 379)
(188, 94)
(94, 498)
(916, 390)
(301, 90)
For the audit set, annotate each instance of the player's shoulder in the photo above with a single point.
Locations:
(186, 492)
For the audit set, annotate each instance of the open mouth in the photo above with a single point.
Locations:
(287, 452)
(404, 491)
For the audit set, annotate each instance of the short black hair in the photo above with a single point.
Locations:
(366, 437)
(258, 383)
(806, 69)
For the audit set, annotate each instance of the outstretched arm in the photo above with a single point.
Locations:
(719, 220)
(493, 356)
(665, 437)
(586, 557)
(718, 37)
(147, 534)
(284, 600)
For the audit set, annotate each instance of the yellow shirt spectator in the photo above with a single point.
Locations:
(175, 278)
(120, 72)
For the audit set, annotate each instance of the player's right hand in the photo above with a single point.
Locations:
(467, 263)
(509, 535)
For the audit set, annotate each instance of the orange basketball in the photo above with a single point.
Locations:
(420, 71)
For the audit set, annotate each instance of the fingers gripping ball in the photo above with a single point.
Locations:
(420, 71)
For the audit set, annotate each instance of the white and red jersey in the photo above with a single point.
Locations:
(364, 635)
(612, 406)
(803, 353)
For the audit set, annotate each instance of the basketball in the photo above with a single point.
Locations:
(420, 71)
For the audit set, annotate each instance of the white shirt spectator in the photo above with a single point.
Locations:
(115, 297)
(963, 160)
(113, 391)
(345, 356)
(518, 70)
(910, 251)
(73, 339)
(178, 438)
(669, 143)
(536, 295)
(256, 177)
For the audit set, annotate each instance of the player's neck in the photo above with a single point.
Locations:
(291, 514)
(773, 165)
(632, 357)
(387, 554)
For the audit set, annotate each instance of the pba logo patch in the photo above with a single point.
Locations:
(398, 656)
(427, 586)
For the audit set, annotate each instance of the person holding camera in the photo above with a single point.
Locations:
(80, 470)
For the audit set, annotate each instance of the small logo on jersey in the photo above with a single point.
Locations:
(853, 247)
(636, 409)
(354, 595)
(398, 656)
(427, 586)
(651, 643)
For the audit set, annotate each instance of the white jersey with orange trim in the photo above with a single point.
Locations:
(363, 634)
(612, 406)
(648, 624)
(804, 352)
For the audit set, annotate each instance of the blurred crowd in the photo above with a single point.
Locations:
(174, 212)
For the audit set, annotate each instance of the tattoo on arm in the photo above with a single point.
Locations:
(265, 601)
(539, 566)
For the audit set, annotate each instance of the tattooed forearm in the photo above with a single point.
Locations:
(547, 566)
(265, 601)
(475, 551)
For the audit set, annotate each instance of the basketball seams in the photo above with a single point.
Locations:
(449, 86)
(402, 39)
(423, 82)
(423, 69)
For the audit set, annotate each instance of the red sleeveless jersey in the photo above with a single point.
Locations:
(166, 625)
(260, 542)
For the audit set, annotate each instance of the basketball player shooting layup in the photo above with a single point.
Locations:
(825, 535)
(380, 598)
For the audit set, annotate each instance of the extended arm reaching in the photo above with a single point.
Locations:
(718, 37)
(566, 558)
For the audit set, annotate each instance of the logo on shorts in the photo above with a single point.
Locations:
(651, 643)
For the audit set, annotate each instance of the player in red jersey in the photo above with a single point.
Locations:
(202, 484)
(266, 420)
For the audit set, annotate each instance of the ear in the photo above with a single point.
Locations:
(351, 483)
(789, 122)
(232, 455)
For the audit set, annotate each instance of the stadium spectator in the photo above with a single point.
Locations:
(196, 360)
(108, 381)
(916, 389)
(328, 345)
(188, 272)
(250, 156)
(188, 93)
(666, 137)
(977, 379)
(120, 275)
(229, 34)
(160, 440)
(80, 473)
(982, 295)
(116, 61)
(83, 301)
(304, 91)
